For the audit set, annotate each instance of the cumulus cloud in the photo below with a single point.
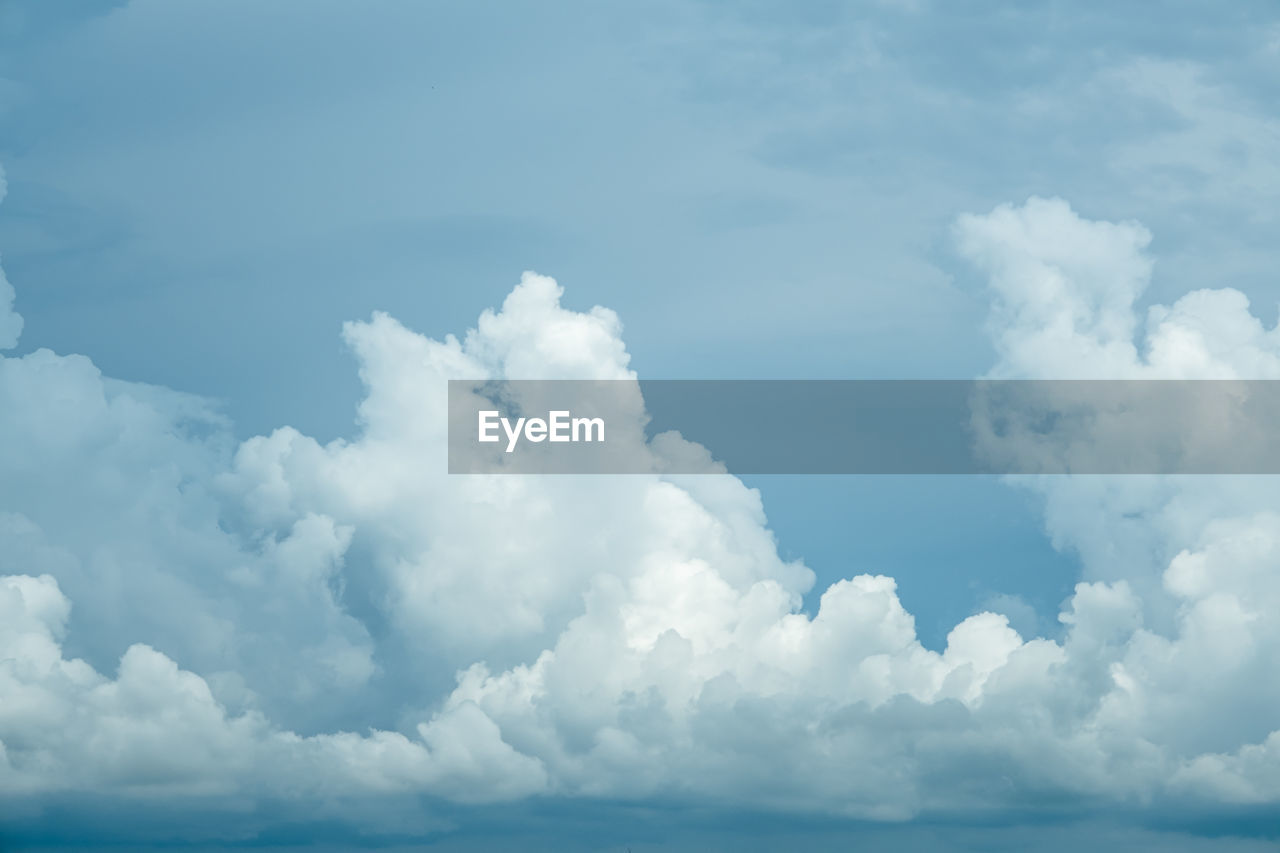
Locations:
(287, 618)
(1198, 550)
(1065, 290)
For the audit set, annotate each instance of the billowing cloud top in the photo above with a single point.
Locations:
(182, 616)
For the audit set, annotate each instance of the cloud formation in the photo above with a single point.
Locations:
(185, 616)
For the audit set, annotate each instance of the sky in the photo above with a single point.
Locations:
(240, 603)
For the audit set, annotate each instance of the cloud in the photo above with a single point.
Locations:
(156, 729)
(1199, 551)
(311, 622)
(1064, 287)
(1065, 290)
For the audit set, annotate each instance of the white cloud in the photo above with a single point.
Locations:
(1064, 287)
(285, 618)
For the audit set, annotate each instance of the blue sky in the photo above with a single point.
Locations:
(201, 194)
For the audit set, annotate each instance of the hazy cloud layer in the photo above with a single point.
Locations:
(10, 320)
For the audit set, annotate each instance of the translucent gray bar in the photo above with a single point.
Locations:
(980, 426)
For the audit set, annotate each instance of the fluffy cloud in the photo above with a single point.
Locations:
(1065, 290)
(292, 619)
(1199, 551)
